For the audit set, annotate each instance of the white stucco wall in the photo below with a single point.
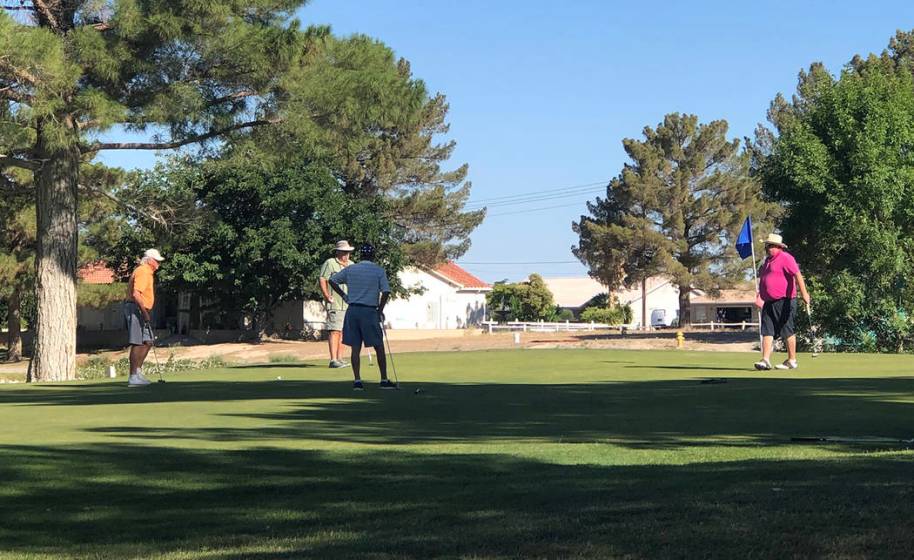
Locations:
(440, 306)
(661, 295)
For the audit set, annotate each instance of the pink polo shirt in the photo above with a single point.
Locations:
(777, 277)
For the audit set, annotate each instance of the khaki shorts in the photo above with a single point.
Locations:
(335, 319)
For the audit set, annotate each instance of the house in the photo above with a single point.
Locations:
(444, 297)
(90, 318)
(662, 296)
(731, 306)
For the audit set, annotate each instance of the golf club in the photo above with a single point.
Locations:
(390, 356)
(813, 330)
(154, 355)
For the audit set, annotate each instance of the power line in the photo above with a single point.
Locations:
(484, 201)
(529, 210)
(519, 262)
(540, 198)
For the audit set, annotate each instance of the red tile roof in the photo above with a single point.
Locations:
(459, 276)
(96, 273)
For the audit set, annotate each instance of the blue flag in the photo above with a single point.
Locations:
(744, 241)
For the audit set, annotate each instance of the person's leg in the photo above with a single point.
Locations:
(142, 352)
(339, 345)
(333, 341)
(767, 348)
(135, 360)
(792, 348)
(355, 361)
(382, 361)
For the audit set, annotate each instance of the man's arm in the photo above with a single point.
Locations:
(137, 298)
(801, 284)
(337, 289)
(384, 297)
(325, 288)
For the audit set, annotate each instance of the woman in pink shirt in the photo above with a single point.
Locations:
(779, 280)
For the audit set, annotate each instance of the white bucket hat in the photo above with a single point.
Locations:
(344, 246)
(154, 254)
(776, 240)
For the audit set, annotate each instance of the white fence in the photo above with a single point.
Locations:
(716, 325)
(567, 326)
(542, 326)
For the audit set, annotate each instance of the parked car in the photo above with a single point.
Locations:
(663, 319)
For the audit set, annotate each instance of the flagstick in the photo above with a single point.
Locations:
(761, 344)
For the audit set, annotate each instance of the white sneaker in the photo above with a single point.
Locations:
(762, 365)
(139, 373)
(137, 380)
(788, 364)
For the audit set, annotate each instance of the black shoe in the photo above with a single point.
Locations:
(357, 386)
(387, 384)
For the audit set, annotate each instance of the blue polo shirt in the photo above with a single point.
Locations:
(365, 281)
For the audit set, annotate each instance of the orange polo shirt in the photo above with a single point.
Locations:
(141, 281)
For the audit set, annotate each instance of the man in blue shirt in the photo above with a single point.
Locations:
(367, 293)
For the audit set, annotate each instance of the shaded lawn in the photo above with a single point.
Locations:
(503, 454)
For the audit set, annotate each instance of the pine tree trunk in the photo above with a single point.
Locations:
(54, 355)
(14, 337)
(685, 306)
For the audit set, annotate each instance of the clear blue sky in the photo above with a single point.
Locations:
(542, 93)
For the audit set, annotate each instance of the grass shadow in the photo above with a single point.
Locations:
(137, 501)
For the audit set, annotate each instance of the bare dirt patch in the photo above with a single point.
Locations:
(262, 352)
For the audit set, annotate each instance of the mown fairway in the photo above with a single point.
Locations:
(502, 454)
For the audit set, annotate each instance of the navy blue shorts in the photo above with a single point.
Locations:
(362, 327)
(779, 318)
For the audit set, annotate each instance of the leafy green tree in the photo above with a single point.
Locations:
(254, 237)
(841, 163)
(358, 110)
(183, 72)
(674, 210)
(522, 301)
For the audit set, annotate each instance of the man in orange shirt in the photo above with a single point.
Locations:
(137, 309)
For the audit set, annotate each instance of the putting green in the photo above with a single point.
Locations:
(502, 454)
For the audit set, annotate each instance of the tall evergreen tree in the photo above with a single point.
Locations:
(184, 72)
(673, 210)
(359, 110)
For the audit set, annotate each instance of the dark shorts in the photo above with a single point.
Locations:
(362, 327)
(779, 318)
(139, 332)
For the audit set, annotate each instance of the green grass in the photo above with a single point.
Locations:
(502, 454)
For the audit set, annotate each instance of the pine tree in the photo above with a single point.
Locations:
(184, 72)
(672, 211)
(359, 110)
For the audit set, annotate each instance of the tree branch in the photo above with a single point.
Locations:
(19, 73)
(9, 161)
(46, 12)
(233, 97)
(11, 94)
(98, 146)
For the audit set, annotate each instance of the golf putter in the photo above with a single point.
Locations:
(813, 330)
(154, 355)
(390, 356)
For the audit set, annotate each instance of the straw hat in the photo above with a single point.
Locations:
(344, 246)
(776, 240)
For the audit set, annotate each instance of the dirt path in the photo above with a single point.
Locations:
(245, 353)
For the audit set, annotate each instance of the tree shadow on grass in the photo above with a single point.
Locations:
(259, 503)
(664, 414)
(274, 365)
